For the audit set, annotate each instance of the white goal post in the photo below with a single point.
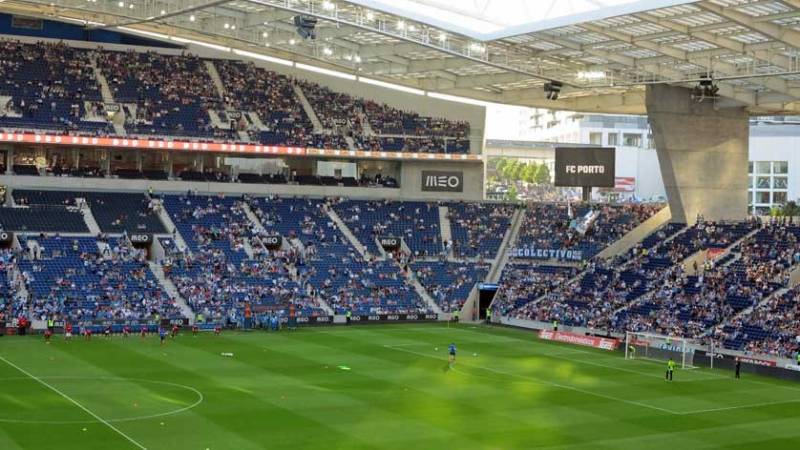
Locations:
(659, 347)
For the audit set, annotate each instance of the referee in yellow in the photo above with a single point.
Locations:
(670, 369)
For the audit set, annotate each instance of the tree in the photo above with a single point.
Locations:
(543, 175)
(501, 162)
(512, 194)
(530, 172)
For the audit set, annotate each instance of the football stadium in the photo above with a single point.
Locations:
(399, 224)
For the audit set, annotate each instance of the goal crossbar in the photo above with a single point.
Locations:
(659, 347)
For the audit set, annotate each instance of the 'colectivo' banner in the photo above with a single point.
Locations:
(579, 339)
(547, 253)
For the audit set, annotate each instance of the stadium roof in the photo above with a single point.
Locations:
(603, 51)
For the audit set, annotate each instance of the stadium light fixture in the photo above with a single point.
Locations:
(552, 89)
(442, 37)
(370, 15)
(121, 4)
(192, 18)
(327, 51)
(328, 5)
(357, 59)
(264, 34)
(162, 11)
(401, 25)
(292, 42)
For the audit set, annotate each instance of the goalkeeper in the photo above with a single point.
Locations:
(670, 369)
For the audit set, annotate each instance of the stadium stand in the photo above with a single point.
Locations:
(449, 283)
(477, 228)
(416, 222)
(605, 288)
(115, 212)
(171, 94)
(42, 218)
(49, 86)
(522, 282)
(69, 277)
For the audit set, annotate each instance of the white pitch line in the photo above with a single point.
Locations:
(730, 408)
(74, 402)
(547, 383)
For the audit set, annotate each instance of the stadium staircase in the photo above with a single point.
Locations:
(351, 143)
(171, 289)
(108, 98)
(312, 115)
(88, 217)
(256, 121)
(636, 235)
(685, 263)
(212, 72)
(347, 233)
(366, 127)
(216, 121)
(169, 225)
(499, 263)
(444, 228)
(423, 293)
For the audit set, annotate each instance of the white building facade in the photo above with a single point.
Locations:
(774, 152)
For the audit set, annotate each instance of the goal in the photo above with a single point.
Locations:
(658, 347)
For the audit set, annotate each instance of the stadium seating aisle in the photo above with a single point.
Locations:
(416, 222)
(172, 94)
(449, 283)
(478, 229)
(42, 218)
(49, 85)
(688, 305)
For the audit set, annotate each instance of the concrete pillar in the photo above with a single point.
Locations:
(170, 162)
(703, 154)
(9, 161)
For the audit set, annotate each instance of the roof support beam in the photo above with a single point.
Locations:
(784, 34)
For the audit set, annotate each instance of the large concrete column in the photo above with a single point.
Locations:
(703, 154)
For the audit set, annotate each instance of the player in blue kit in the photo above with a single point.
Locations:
(162, 334)
(451, 349)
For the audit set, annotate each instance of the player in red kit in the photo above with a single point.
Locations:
(126, 331)
(68, 332)
(217, 330)
(195, 330)
(175, 329)
(143, 331)
(48, 333)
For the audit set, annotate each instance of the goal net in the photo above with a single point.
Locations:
(657, 347)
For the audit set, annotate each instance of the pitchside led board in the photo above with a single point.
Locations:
(579, 167)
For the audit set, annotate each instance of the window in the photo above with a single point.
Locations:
(763, 167)
(779, 198)
(780, 183)
(762, 183)
(596, 138)
(613, 139)
(750, 168)
(632, 140)
(769, 185)
(650, 142)
(762, 197)
(781, 167)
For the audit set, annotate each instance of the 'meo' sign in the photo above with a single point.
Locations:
(442, 181)
(586, 166)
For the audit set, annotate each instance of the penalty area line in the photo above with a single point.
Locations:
(74, 402)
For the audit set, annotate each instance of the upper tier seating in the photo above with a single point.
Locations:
(253, 89)
(51, 87)
(172, 94)
(48, 85)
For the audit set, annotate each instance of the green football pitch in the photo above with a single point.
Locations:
(374, 387)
